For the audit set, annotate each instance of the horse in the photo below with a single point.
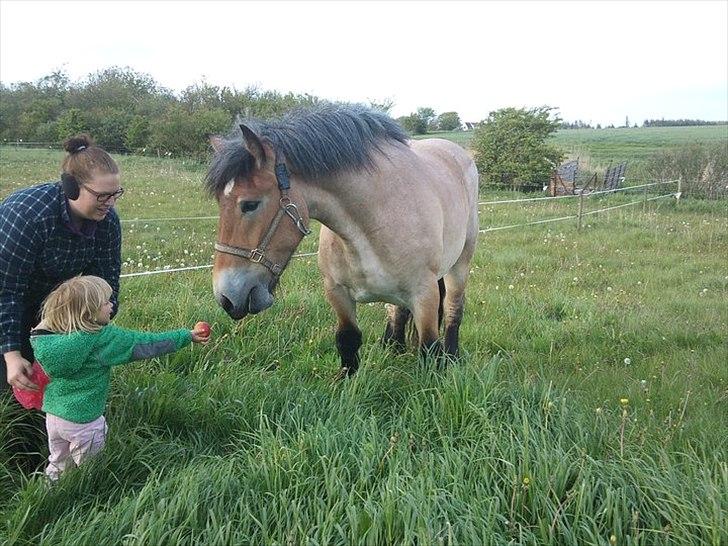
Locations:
(399, 220)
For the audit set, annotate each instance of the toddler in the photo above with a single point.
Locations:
(76, 346)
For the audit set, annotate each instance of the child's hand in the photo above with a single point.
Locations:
(201, 333)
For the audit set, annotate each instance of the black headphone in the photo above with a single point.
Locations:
(70, 186)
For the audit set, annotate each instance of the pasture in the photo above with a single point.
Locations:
(596, 148)
(589, 406)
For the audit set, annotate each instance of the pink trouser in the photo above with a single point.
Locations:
(71, 443)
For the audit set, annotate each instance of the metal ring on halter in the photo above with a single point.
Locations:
(302, 227)
(256, 256)
(292, 211)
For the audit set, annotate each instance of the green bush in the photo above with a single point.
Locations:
(108, 126)
(138, 133)
(511, 150)
(181, 132)
(71, 122)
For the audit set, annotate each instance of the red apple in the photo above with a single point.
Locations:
(203, 329)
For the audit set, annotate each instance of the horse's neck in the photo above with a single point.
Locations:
(342, 205)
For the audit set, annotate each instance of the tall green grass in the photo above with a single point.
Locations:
(590, 401)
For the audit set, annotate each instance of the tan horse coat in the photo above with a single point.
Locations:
(398, 231)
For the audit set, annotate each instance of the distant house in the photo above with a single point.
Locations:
(470, 125)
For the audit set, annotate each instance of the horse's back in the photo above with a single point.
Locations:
(453, 157)
(454, 178)
(419, 215)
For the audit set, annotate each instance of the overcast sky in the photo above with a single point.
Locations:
(595, 61)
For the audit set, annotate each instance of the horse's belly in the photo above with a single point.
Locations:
(377, 288)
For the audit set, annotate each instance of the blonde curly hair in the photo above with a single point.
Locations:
(74, 305)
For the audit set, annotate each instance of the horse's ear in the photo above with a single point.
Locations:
(254, 145)
(217, 143)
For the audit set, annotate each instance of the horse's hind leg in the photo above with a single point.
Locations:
(394, 332)
(425, 316)
(348, 335)
(454, 301)
(440, 309)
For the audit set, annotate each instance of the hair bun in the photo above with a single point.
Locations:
(77, 143)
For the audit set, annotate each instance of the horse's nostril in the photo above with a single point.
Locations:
(226, 304)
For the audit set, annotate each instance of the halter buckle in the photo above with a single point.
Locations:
(256, 256)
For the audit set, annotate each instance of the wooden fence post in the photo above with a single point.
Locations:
(679, 188)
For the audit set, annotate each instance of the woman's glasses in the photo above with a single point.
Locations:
(105, 197)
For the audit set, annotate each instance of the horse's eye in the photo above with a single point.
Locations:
(249, 206)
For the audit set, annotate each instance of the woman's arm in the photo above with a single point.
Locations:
(20, 242)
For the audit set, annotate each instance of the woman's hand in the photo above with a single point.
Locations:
(19, 371)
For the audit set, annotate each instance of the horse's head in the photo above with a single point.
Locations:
(262, 221)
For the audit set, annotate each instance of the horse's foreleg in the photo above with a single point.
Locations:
(348, 335)
(425, 316)
(394, 333)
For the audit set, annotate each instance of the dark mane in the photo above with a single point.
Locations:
(316, 142)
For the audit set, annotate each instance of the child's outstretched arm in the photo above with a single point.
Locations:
(121, 346)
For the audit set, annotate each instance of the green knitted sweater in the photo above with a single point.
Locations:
(79, 365)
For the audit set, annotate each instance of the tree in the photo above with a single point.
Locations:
(108, 127)
(202, 95)
(385, 105)
(511, 149)
(448, 121)
(125, 110)
(413, 124)
(69, 123)
(419, 122)
(138, 133)
(180, 132)
(428, 117)
(116, 88)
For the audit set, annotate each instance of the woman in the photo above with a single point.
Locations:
(50, 233)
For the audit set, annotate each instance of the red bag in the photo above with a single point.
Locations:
(33, 399)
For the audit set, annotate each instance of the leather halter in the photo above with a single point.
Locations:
(285, 207)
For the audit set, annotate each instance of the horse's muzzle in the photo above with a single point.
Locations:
(257, 300)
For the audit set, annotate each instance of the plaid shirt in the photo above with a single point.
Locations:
(39, 248)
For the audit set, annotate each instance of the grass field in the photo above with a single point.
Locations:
(589, 406)
(602, 146)
(597, 148)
